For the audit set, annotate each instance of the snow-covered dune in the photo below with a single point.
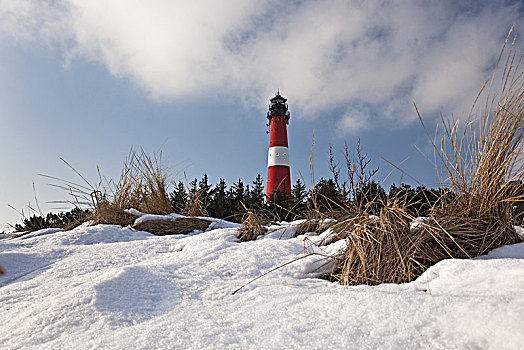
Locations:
(112, 287)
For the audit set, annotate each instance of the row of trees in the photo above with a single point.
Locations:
(221, 201)
(52, 220)
(231, 203)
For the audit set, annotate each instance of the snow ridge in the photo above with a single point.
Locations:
(113, 287)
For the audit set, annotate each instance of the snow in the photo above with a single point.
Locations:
(106, 286)
(142, 217)
(421, 220)
(520, 231)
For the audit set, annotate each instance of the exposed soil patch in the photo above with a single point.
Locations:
(178, 226)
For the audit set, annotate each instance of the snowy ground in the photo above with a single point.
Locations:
(111, 287)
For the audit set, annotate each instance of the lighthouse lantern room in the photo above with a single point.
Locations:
(278, 174)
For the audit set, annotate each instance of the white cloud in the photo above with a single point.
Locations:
(354, 120)
(379, 55)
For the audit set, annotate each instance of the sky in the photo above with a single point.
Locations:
(89, 80)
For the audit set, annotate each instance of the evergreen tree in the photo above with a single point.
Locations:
(52, 220)
(426, 198)
(204, 190)
(326, 196)
(193, 186)
(237, 195)
(299, 196)
(256, 194)
(371, 197)
(178, 197)
(279, 205)
(405, 195)
(219, 206)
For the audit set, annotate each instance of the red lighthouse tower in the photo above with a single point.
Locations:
(278, 177)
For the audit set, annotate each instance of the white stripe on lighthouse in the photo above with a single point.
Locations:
(278, 155)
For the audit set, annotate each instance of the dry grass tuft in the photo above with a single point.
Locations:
(73, 225)
(252, 227)
(194, 205)
(177, 226)
(379, 250)
(480, 160)
(481, 164)
(316, 222)
(309, 225)
(386, 249)
(111, 213)
(142, 185)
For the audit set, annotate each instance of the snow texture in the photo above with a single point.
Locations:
(106, 286)
(520, 231)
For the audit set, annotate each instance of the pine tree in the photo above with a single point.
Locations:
(237, 195)
(178, 197)
(58, 220)
(371, 197)
(404, 195)
(256, 194)
(299, 195)
(204, 190)
(326, 197)
(279, 205)
(219, 206)
(193, 186)
(426, 198)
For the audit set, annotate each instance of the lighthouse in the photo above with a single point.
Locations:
(278, 175)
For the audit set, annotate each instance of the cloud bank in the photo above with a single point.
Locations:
(365, 60)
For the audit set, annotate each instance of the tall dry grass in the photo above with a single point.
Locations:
(479, 160)
(142, 185)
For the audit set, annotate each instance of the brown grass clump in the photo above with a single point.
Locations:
(309, 225)
(178, 226)
(73, 225)
(480, 163)
(316, 221)
(385, 249)
(194, 205)
(111, 213)
(379, 250)
(252, 227)
(142, 185)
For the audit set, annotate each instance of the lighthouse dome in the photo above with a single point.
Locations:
(278, 99)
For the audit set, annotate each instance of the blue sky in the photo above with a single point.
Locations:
(87, 81)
